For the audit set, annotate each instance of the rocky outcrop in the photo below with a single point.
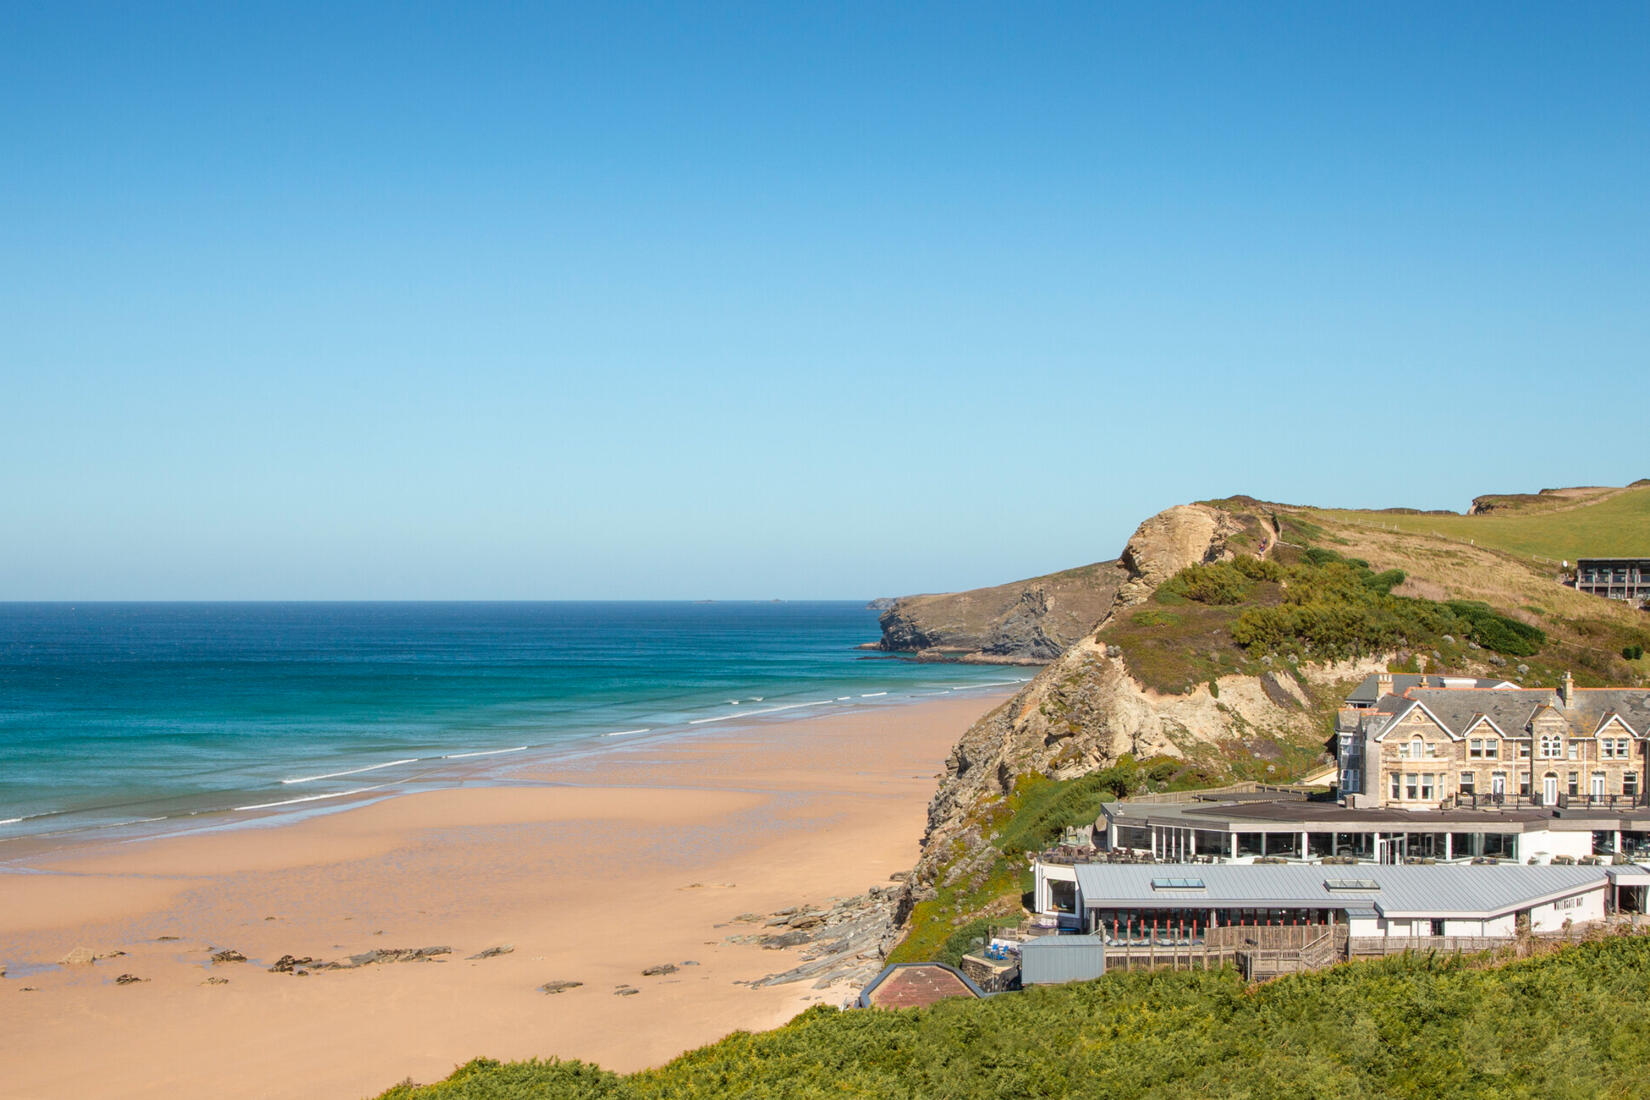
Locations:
(843, 943)
(1029, 621)
(1034, 621)
(1188, 534)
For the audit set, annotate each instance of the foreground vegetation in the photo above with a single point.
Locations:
(1573, 1023)
(950, 924)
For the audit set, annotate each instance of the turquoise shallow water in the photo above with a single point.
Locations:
(114, 714)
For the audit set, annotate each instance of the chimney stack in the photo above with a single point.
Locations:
(1383, 685)
(1567, 689)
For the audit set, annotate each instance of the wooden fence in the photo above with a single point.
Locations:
(1366, 946)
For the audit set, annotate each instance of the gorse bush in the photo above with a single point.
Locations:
(1493, 630)
(1043, 808)
(1332, 607)
(1222, 582)
(1574, 1023)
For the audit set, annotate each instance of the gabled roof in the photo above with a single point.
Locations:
(1402, 709)
(1612, 717)
(1511, 712)
(1482, 719)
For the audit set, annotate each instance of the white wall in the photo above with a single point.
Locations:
(1577, 908)
(1045, 873)
(1547, 843)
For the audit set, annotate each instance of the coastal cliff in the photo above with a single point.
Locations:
(1223, 656)
(1034, 621)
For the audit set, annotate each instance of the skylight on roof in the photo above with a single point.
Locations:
(1177, 884)
(1350, 884)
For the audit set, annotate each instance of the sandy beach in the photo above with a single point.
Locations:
(593, 868)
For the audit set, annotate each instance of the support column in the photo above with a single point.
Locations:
(1306, 851)
(1449, 845)
(1234, 844)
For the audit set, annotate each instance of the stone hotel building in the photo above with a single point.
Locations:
(1441, 743)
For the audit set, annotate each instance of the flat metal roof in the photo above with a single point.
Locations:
(1042, 943)
(1630, 875)
(1287, 815)
(1436, 890)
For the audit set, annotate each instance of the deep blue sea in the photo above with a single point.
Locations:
(119, 715)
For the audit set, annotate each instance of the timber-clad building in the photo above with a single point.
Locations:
(1615, 578)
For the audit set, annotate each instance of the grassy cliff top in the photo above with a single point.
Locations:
(1499, 559)
(1560, 525)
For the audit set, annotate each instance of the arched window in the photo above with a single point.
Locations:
(1552, 746)
(1417, 747)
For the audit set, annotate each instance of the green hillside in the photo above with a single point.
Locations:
(1611, 525)
(1574, 1023)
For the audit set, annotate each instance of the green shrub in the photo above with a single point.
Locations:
(1574, 1023)
(1632, 652)
(963, 940)
(1492, 630)
(1222, 583)
(1216, 583)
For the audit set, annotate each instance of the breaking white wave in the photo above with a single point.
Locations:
(306, 798)
(352, 771)
(754, 713)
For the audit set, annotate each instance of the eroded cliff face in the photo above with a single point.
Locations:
(1034, 621)
(1085, 711)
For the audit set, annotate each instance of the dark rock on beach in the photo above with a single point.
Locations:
(494, 952)
(558, 987)
(229, 955)
(841, 945)
(661, 969)
(386, 955)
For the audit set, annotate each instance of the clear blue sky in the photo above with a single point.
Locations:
(590, 301)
